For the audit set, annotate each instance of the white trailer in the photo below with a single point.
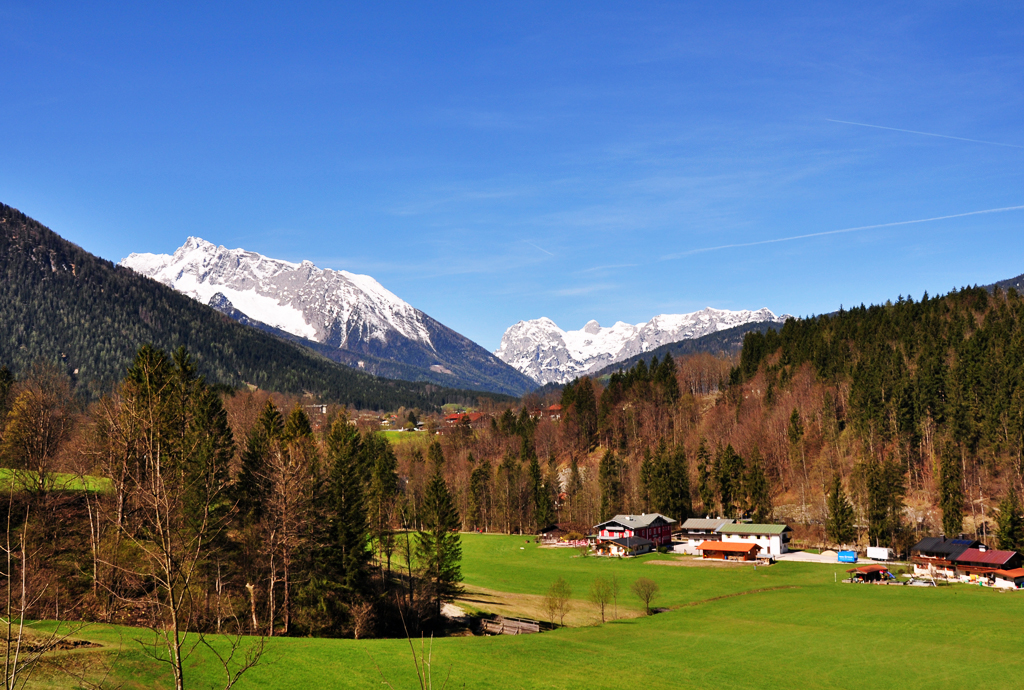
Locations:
(880, 553)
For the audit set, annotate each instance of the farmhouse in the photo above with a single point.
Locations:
(653, 526)
(935, 556)
(695, 531)
(773, 539)
(728, 551)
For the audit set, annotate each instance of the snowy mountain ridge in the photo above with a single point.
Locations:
(323, 305)
(546, 353)
(360, 322)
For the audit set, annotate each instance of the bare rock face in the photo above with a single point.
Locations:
(350, 312)
(546, 353)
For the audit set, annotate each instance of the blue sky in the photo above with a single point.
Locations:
(492, 162)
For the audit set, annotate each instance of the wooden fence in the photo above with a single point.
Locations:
(509, 626)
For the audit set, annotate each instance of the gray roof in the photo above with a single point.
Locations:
(755, 529)
(635, 521)
(705, 523)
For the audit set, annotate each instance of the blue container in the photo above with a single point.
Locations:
(847, 556)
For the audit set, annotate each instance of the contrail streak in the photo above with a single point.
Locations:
(927, 134)
(540, 248)
(838, 232)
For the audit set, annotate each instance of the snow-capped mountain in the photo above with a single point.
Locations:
(546, 353)
(349, 313)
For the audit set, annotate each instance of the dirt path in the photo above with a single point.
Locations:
(689, 562)
(532, 606)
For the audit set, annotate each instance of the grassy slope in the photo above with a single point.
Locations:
(812, 634)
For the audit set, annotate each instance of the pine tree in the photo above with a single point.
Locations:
(672, 497)
(611, 485)
(542, 509)
(728, 469)
(705, 488)
(439, 546)
(649, 478)
(252, 485)
(759, 495)
(479, 496)
(1011, 523)
(351, 554)
(839, 527)
(951, 492)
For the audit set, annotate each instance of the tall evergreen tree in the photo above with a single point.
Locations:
(705, 480)
(839, 526)
(611, 485)
(439, 546)
(351, 554)
(729, 479)
(252, 486)
(886, 484)
(1011, 522)
(951, 492)
(758, 490)
(480, 485)
(543, 511)
(672, 492)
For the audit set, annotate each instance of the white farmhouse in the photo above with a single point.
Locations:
(773, 539)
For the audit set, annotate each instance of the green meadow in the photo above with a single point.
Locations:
(786, 626)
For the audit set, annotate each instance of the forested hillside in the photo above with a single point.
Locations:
(60, 303)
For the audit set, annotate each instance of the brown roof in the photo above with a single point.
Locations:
(1012, 574)
(730, 546)
(865, 569)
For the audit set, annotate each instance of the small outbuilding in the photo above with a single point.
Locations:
(870, 573)
(1008, 579)
(729, 551)
(626, 546)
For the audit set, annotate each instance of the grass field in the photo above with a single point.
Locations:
(401, 438)
(61, 482)
(787, 626)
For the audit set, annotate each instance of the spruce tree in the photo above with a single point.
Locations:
(611, 485)
(759, 494)
(705, 487)
(951, 492)
(839, 527)
(350, 548)
(439, 546)
(543, 511)
(728, 470)
(1011, 522)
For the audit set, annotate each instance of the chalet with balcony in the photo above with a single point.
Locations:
(653, 526)
(773, 539)
(982, 562)
(696, 531)
(935, 556)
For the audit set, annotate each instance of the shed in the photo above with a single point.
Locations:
(870, 573)
(1008, 579)
(626, 546)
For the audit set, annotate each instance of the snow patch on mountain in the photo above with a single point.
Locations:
(333, 307)
(546, 353)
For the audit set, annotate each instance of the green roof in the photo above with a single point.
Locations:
(754, 529)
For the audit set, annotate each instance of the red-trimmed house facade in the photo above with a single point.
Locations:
(653, 526)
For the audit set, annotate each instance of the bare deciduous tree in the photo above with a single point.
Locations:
(645, 590)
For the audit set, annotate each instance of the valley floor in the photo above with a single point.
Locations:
(791, 625)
